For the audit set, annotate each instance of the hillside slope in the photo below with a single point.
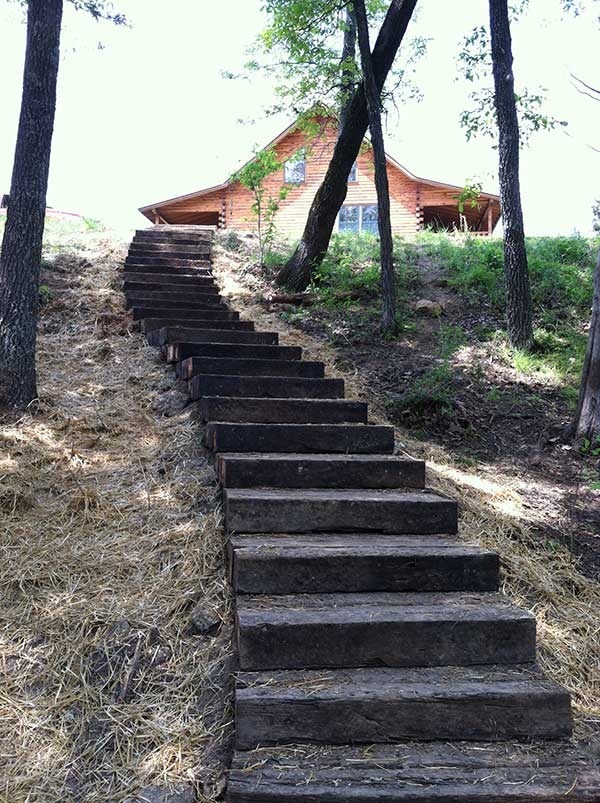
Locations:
(110, 539)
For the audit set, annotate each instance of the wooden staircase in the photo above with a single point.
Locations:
(378, 662)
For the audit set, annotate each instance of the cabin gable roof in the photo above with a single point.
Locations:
(150, 208)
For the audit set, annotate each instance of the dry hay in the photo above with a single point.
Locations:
(110, 534)
(540, 575)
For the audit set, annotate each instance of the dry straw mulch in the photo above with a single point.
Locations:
(110, 535)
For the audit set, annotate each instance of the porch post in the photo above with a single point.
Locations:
(490, 219)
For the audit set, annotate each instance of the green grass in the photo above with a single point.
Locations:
(561, 270)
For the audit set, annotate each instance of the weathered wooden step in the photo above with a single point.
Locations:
(189, 298)
(193, 366)
(169, 248)
(174, 234)
(265, 387)
(201, 325)
(176, 352)
(357, 562)
(174, 251)
(174, 279)
(160, 336)
(299, 511)
(284, 411)
(211, 314)
(300, 438)
(439, 772)
(216, 313)
(139, 261)
(304, 631)
(173, 310)
(480, 703)
(318, 470)
(135, 288)
(169, 242)
(168, 270)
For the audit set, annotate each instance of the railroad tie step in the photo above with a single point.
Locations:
(159, 332)
(169, 248)
(306, 631)
(181, 241)
(299, 439)
(283, 411)
(176, 352)
(175, 278)
(140, 260)
(187, 319)
(186, 236)
(439, 772)
(274, 510)
(358, 562)
(150, 267)
(185, 298)
(203, 385)
(319, 470)
(192, 366)
(152, 252)
(199, 286)
(382, 705)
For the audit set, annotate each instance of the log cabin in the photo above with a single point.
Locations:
(304, 153)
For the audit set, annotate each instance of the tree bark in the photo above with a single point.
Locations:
(22, 242)
(586, 422)
(348, 52)
(518, 291)
(296, 273)
(373, 98)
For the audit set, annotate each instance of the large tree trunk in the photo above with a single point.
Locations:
(373, 98)
(586, 422)
(330, 196)
(22, 242)
(518, 292)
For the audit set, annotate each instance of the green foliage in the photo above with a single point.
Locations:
(44, 294)
(98, 9)
(469, 195)
(301, 50)
(265, 206)
(450, 339)
(92, 224)
(352, 263)
(475, 66)
(561, 269)
(592, 449)
(231, 240)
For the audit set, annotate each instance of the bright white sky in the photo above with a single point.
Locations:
(150, 117)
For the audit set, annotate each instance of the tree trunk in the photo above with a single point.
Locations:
(518, 292)
(348, 52)
(373, 98)
(296, 273)
(586, 423)
(22, 242)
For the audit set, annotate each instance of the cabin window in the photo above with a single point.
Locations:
(294, 170)
(349, 218)
(359, 219)
(369, 219)
(352, 174)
